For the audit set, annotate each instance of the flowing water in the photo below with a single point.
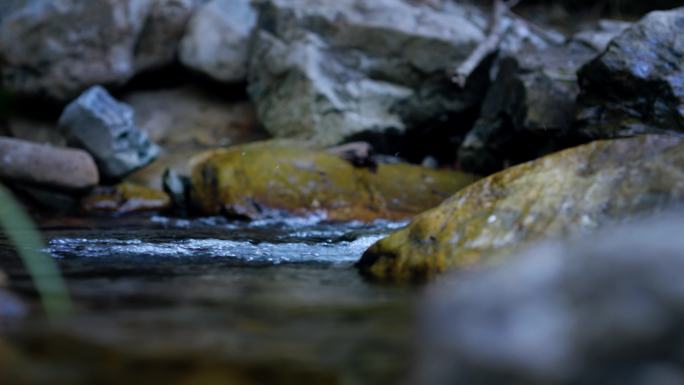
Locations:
(204, 301)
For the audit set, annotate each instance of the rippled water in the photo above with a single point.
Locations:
(239, 251)
(291, 242)
(270, 300)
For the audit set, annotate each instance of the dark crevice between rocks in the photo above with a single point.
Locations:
(506, 146)
(611, 8)
(438, 139)
(176, 75)
(434, 130)
(43, 108)
(621, 101)
(34, 107)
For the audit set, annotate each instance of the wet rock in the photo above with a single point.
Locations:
(162, 32)
(187, 120)
(57, 49)
(59, 168)
(217, 39)
(177, 187)
(271, 178)
(602, 309)
(325, 71)
(104, 127)
(571, 192)
(635, 86)
(125, 198)
(529, 110)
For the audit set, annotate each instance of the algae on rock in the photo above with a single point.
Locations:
(273, 178)
(562, 194)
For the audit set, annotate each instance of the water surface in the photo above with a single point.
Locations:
(214, 301)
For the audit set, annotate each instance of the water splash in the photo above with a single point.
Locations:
(249, 252)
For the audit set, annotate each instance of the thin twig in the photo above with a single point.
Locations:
(497, 30)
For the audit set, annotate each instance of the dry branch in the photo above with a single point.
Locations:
(497, 30)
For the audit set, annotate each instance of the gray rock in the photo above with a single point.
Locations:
(58, 48)
(606, 309)
(602, 34)
(36, 164)
(324, 71)
(529, 109)
(105, 127)
(162, 32)
(7, 7)
(636, 85)
(216, 41)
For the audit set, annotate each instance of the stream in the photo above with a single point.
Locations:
(205, 300)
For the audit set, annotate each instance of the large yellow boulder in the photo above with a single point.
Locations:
(562, 194)
(272, 178)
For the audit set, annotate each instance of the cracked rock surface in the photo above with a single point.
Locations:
(324, 71)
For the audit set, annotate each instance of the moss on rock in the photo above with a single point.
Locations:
(274, 178)
(562, 194)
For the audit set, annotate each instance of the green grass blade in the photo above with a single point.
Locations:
(43, 269)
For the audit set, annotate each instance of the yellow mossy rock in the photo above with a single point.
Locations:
(272, 178)
(562, 194)
(125, 198)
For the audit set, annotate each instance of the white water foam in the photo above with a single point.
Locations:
(275, 253)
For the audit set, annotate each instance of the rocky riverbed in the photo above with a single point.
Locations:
(342, 192)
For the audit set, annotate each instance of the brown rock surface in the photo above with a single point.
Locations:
(60, 168)
(272, 178)
(565, 193)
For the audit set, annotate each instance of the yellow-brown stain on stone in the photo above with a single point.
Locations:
(270, 178)
(567, 193)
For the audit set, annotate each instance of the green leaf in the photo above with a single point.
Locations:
(23, 235)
